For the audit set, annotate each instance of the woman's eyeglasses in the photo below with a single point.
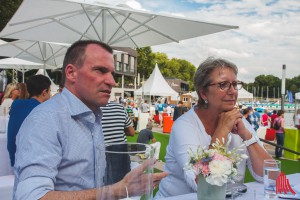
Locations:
(225, 85)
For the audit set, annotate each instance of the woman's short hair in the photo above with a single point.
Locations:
(202, 76)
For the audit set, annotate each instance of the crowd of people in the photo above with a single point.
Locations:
(54, 142)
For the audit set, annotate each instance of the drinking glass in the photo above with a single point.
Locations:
(128, 171)
(272, 170)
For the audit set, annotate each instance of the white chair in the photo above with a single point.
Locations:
(6, 187)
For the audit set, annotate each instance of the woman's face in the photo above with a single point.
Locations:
(15, 93)
(221, 100)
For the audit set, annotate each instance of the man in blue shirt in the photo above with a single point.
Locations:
(38, 87)
(60, 144)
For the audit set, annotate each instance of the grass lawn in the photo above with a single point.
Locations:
(287, 166)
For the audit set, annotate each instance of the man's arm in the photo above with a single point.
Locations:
(115, 191)
(153, 140)
(129, 131)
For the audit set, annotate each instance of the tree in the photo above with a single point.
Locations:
(7, 10)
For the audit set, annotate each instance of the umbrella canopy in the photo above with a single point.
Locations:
(47, 54)
(69, 21)
(156, 85)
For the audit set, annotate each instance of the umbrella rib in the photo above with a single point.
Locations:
(24, 50)
(120, 26)
(148, 27)
(91, 23)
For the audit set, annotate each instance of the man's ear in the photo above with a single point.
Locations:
(71, 73)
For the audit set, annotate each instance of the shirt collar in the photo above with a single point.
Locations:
(76, 106)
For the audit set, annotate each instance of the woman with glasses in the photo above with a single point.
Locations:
(214, 117)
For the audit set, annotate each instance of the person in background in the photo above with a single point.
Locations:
(279, 133)
(146, 135)
(265, 118)
(297, 119)
(256, 113)
(161, 107)
(23, 91)
(38, 87)
(253, 119)
(116, 123)
(179, 110)
(59, 145)
(214, 117)
(136, 116)
(246, 113)
(145, 107)
(169, 110)
(11, 93)
(273, 117)
(156, 108)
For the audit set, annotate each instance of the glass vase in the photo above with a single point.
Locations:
(207, 191)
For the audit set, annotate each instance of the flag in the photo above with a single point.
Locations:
(290, 97)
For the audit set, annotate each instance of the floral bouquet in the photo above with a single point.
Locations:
(217, 165)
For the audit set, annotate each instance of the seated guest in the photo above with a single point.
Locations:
(146, 135)
(60, 144)
(214, 117)
(38, 87)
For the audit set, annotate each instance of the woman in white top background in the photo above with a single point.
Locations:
(10, 94)
(214, 117)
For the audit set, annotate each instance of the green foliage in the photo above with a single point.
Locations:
(175, 68)
(7, 10)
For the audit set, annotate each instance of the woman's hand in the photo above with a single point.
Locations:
(227, 123)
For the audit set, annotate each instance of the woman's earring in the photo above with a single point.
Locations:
(205, 104)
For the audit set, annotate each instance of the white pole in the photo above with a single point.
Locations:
(283, 87)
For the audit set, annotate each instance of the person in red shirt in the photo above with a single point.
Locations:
(265, 118)
(273, 117)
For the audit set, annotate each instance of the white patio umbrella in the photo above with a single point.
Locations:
(21, 65)
(48, 54)
(72, 20)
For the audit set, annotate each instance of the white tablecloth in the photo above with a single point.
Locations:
(6, 187)
(5, 168)
(253, 186)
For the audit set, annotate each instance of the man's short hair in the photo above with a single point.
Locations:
(149, 125)
(76, 54)
(180, 102)
(37, 84)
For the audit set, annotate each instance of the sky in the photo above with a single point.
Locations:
(268, 36)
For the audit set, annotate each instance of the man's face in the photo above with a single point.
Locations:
(92, 82)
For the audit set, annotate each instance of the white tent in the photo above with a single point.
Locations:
(244, 94)
(53, 86)
(156, 85)
(21, 65)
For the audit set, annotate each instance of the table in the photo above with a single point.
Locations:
(5, 168)
(6, 187)
(258, 187)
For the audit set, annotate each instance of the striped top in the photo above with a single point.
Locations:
(114, 120)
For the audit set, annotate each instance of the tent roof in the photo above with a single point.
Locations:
(244, 94)
(156, 85)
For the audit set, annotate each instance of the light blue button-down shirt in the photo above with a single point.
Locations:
(59, 147)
